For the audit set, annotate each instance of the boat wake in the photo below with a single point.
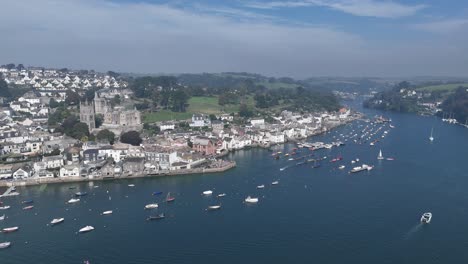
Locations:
(413, 231)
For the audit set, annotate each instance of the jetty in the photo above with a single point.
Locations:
(11, 191)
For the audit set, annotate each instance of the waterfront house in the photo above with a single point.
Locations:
(204, 145)
(217, 125)
(133, 165)
(20, 174)
(53, 162)
(166, 126)
(90, 155)
(44, 174)
(72, 170)
(6, 171)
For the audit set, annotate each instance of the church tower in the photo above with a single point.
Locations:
(87, 114)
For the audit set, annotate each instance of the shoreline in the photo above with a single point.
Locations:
(227, 165)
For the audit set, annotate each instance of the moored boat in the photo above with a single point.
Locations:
(275, 183)
(157, 193)
(426, 218)
(78, 194)
(131, 185)
(157, 217)
(251, 200)
(151, 206)
(5, 245)
(28, 207)
(86, 229)
(4, 207)
(170, 198)
(380, 156)
(2, 217)
(73, 200)
(361, 168)
(107, 212)
(57, 221)
(221, 195)
(27, 202)
(261, 186)
(10, 229)
(213, 207)
(209, 192)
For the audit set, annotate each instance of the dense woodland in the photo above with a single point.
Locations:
(392, 100)
(169, 92)
(457, 104)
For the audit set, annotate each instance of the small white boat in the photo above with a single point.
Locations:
(5, 245)
(151, 206)
(221, 195)
(341, 167)
(209, 192)
(4, 207)
(10, 229)
(275, 183)
(251, 200)
(352, 162)
(86, 229)
(73, 200)
(213, 207)
(261, 186)
(131, 185)
(426, 218)
(107, 212)
(2, 217)
(57, 221)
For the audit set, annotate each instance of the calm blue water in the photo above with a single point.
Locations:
(321, 215)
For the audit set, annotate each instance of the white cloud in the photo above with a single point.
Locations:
(448, 26)
(369, 8)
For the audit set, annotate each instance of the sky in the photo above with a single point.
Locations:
(296, 38)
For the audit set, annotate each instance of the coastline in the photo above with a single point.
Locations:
(227, 165)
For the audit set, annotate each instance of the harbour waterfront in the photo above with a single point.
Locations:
(321, 215)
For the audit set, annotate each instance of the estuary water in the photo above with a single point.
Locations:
(314, 215)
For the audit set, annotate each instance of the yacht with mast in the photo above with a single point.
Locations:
(380, 157)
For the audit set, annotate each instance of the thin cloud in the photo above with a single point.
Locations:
(448, 26)
(368, 8)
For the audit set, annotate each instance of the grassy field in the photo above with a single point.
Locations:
(199, 104)
(165, 115)
(442, 87)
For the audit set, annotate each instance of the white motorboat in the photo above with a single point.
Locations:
(361, 168)
(209, 192)
(251, 200)
(275, 183)
(86, 229)
(10, 229)
(213, 207)
(261, 186)
(57, 221)
(5, 245)
(426, 218)
(151, 206)
(4, 207)
(73, 200)
(221, 195)
(131, 185)
(2, 217)
(341, 167)
(107, 212)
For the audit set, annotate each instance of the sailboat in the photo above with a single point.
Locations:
(380, 157)
(431, 138)
(169, 198)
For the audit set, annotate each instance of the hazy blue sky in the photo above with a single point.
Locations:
(280, 38)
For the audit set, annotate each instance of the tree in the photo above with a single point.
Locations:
(53, 103)
(72, 98)
(99, 119)
(244, 111)
(115, 101)
(79, 131)
(106, 135)
(131, 137)
(213, 117)
(4, 90)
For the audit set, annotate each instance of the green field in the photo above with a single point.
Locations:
(199, 104)
(165, 115)
(442, 87)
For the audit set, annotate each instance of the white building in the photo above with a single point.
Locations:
(70, 171)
